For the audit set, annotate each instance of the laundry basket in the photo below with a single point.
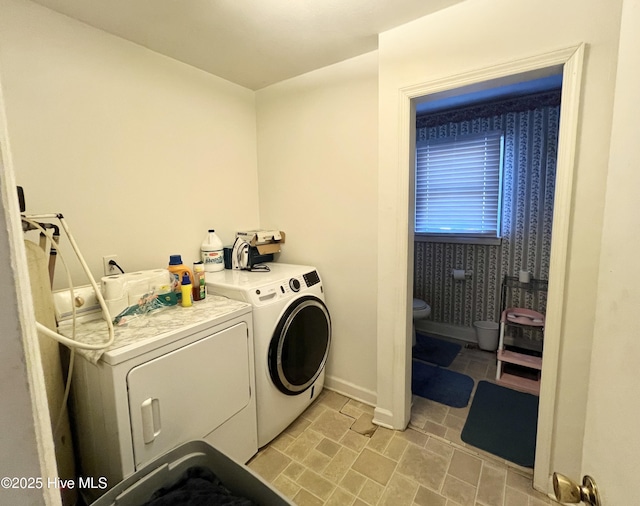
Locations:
(171, 467)
(487, 334)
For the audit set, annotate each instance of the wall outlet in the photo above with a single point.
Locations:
(109, 269)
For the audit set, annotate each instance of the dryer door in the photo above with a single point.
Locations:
(300, 345)
(189, 392)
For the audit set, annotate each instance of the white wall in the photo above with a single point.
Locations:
(482, 33)
(612, 442)
(317, 137)
(141, 153)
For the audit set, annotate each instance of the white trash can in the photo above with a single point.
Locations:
(487, 334)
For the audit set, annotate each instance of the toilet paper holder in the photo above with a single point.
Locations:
(461, 274)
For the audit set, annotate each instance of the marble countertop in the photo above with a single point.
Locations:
(151, 326)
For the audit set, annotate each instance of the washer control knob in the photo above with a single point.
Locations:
(294, 284)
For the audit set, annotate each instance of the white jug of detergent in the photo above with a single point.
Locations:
(212, 252)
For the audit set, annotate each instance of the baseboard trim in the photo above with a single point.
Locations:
(383, 417)
(350, 390)
(437, 329)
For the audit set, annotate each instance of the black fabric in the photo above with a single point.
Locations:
(198, 487)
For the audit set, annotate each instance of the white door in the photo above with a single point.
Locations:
(186, 394)
(612, 433)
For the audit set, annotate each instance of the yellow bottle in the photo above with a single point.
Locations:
(177, 270)
(186, 288)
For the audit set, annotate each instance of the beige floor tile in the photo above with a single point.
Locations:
(458, 491)
(340, 497)
(375, 466)
(282, 442)
(327, 457)
(399, 492)
(395, 449)
(303, 445)
(491, 486)
(354, 441)
(332, 399)
(340, 464)
(314, 411)
(269, 463)
(380, 439)
(353, 482)
(413, 436)
(328, 447)
(286, 486)
(477, 369)
(353, 405)
(519, 481)
(298, 426)
(316, 484)
(332, 424)
(306, 498)
(465, 467)
(426, 497)
(426, 468)
(435, 428)
(371, 492)
(440, 447)
(454, 422)
(534, 501)
(316, 460)
(364, 425)
(294, 470)
(514, 497)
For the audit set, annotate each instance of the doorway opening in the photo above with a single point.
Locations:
(395, 279)
(521, 183)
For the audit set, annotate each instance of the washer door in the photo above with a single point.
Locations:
(300, 345)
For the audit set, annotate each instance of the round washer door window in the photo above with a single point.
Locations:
(300, 345)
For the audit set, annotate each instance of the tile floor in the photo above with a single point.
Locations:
(334, 455)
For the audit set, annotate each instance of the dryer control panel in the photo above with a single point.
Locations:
(286, 288)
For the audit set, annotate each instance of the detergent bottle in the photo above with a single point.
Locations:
(177, 270)
(199, 283)
(187, 291)
(212, 252)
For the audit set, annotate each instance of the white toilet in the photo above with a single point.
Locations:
(420, 310)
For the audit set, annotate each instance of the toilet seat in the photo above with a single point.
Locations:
(420, 309)
(419, 304)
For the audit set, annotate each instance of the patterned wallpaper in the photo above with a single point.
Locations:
(530, 125)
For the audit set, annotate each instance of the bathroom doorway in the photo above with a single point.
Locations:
(398, 144)
(525, 116)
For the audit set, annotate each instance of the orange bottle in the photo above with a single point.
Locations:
(177, 270)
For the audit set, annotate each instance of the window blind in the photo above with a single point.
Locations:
(458, 185)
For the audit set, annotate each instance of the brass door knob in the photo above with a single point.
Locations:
(568, 491)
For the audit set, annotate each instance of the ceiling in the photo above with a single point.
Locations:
(253, 43)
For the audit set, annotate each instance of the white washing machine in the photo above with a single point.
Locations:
(292, 335)
(180, 374)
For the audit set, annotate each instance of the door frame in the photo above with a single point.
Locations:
(393, 408)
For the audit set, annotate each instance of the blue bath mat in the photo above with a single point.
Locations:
(441, 385)
(435, 351)
(503, 422)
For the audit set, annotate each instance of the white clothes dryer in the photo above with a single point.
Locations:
(180, 374)
(292, 335)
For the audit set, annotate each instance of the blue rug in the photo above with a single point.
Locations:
(441, 385)
(503, 422)
(435, 351)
